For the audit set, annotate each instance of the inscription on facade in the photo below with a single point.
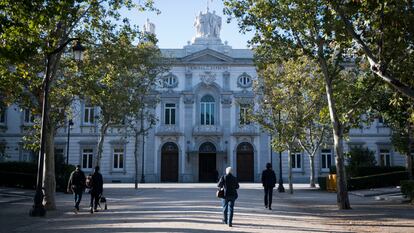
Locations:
(207, 67)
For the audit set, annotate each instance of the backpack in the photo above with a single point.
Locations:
(89, 182)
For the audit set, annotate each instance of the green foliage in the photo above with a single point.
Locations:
(373, 170)
(322, 182)
(386, 29)
(23, 175)
(359, 157)
(407, 188)
(377, 181)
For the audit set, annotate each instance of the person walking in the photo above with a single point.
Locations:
(230, 185)
(269, 182)
(76, 185)
(96, 189)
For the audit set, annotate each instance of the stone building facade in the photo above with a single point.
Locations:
(202, 125)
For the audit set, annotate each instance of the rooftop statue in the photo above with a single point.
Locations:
(149, 27)
(207, 25)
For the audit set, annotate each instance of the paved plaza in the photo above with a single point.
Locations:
(194, 208)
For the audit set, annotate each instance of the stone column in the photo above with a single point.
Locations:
(187, 175)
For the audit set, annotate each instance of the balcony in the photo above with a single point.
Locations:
(246, 130)
(207, 130)
(168, 130)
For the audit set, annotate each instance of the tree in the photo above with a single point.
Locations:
(295, 86)
(288, 29)
(116, 75)
(383, 32)
(397, 113)
(32, 33)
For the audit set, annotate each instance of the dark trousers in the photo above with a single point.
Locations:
(77, 194)
(268, 196)
(228, 209)
(94, 200)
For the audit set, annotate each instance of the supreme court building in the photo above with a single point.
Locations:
(202, 126)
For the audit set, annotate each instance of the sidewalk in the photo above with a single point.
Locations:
(194, 208)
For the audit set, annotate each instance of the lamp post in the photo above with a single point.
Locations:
(70, 124)
(143, 149)
(280, 188)
(38, 208)
(271, 150)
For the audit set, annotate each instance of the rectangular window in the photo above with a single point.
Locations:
(169, 114)
(118, 159)
(60, 155)
(385, 157)
(296, 161)
(326, 158)
(87, 157)
(28, 117)
(244, 115)
(207, 113)
(2, 115)
(89, 115)
(28, 156)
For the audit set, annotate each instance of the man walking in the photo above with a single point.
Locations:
(230, 185)
(76, 185)
(269, 182)
(96, 187)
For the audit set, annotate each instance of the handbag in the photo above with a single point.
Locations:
(220, 193)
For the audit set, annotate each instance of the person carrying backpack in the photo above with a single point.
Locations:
(96, 189)
(76, 185)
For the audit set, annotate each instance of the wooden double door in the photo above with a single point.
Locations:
(169, 162)
(245, 162)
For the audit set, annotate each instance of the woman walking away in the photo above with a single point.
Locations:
(230, 185)
(269, 182)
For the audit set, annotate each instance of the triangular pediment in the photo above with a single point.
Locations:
(207, 56)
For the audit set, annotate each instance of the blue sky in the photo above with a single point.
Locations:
(174, 26)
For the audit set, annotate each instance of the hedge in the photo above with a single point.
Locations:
(322, 182)
(24, 175)
(407, 188)
(377, 181)
(367, 171)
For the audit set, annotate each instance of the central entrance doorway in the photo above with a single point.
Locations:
(207, 170)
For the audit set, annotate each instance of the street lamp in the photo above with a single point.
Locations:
(70, 124)
(38, 209)
(280, 188)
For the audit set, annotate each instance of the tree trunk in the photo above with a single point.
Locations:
(290, 173)
(342, 191)
(49, 181)
(102, 134)
(409, 160)
(136, 159)
(312, 171)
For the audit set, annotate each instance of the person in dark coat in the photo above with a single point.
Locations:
(76, 185)
(269, 182)
(230, 185)
(96, 189)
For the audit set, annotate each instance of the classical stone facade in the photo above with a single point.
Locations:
(202, 127)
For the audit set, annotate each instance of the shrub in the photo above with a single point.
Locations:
(367, 171)
(407, 188)
(18, 174)
(24, 175)
(359, 157)
(62, 177)
(322, 182)
(377, 181)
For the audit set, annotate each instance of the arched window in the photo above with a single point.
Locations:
(207, 110)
